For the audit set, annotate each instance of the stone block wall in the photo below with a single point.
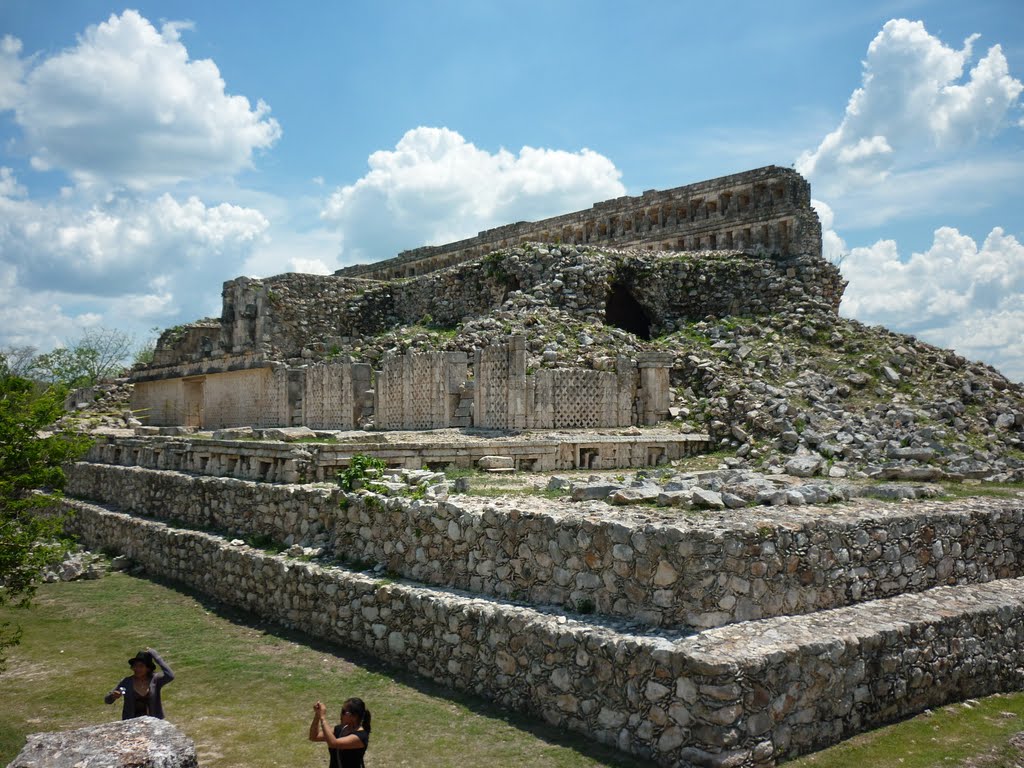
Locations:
(692, 572)
(214, 393)
(162, 403)
(744, 695)
(256, 397)
(415, 391)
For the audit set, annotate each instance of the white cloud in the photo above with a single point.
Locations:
(12, 69)
(913, 107)
(127, 106)
(435, 187)
(121, 247)
(9, 186)
(833, 247)
(955, 294)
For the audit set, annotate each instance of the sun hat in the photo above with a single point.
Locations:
(144, 657)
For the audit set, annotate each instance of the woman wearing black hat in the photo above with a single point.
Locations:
(141, 690)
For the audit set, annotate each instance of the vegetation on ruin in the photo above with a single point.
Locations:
(361, 468)
(244, 690)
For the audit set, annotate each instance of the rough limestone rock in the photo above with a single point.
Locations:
(144, 742)
(495, 462)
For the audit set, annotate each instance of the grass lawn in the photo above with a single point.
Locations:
(244, 691)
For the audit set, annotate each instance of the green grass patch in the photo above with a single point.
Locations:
(952, 735)
(244, 689)
(952, 491)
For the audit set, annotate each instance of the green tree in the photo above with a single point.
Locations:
(98, 354)
(17, 360)
(31, 479)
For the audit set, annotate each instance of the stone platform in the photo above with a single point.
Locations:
(727, 638)
(275, 461)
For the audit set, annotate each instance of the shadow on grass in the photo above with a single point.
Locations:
(579, 743)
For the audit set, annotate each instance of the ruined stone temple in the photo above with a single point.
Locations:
(734, 617)
(282, 353)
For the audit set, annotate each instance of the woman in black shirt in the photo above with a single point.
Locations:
(348, 740)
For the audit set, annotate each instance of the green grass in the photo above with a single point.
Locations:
(953, 491)
(949, 736)
(244, 690)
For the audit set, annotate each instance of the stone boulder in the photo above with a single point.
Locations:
(144, 742)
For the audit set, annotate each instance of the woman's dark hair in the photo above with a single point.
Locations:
(358, 708)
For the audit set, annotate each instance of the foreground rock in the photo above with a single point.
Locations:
(144, 742)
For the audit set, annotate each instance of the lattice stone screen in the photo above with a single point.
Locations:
(414, 391)
(573, 399)
(560, 398)
(328, 400)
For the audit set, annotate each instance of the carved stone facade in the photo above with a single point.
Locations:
(430, 390)
(767, 209)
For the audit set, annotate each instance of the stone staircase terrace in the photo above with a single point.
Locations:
(672, 568)
(746, 694)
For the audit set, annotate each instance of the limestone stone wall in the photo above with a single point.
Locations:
(692, 571)
(765, 209)
(742, 695)
(163, 403)
(431, 390)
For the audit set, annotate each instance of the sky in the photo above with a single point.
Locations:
(149, 152)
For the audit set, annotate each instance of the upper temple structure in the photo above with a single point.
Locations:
(767, 210)
(306, 350)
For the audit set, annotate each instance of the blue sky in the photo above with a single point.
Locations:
(149, 152)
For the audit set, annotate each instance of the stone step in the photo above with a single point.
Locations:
(740, 695)
(663, 568)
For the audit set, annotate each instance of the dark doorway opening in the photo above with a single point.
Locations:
(625, 312)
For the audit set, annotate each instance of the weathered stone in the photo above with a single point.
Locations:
(143, 742)
(495, 462)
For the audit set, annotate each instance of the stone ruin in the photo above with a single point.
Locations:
(739, 622)
(283, 351)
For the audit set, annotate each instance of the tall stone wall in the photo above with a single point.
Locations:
(767, 209)
(414, 391)
(743, 695)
